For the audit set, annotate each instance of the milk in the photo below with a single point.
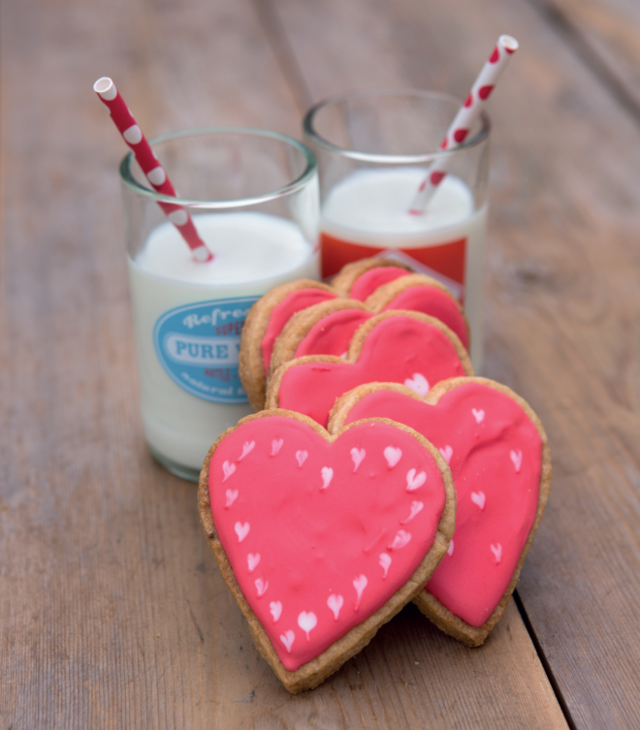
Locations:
(366, 214)
(188, 317)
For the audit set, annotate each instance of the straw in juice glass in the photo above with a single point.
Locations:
(468, 113)
(146, 158)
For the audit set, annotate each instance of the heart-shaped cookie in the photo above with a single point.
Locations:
(498, 454)
(401, 347)
(382, 287)
(321, 537)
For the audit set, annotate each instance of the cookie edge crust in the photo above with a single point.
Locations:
(446, 621)
(344, 280)
(274, 380)
(250, 365)
(313, 673)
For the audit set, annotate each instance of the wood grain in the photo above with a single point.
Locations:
(563, 307)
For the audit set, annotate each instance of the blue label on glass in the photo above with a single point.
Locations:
(198, 346)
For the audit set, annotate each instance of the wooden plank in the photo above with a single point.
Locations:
(563, 302)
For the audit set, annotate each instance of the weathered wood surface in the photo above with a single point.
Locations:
(563, 304)
(112, 613)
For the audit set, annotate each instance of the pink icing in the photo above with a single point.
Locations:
(397, 350)
(314, 562)
(366, 284)
(495, 456)
(332, 334)
(282, 312)
(433, 301)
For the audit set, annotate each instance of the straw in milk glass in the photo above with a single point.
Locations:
(146, 158)
(466, 116)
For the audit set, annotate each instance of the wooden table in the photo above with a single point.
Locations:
(112, 610)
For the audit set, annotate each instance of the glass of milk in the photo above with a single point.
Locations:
(374, 149)
(253, 197)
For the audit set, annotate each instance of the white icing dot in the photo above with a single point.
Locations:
(357, 455)
(301, 457)
(232, 495)
(447, 453)
(287, 639)
(275, 607)
(415, 480)
(385, 562)
(450, 549)
(479, 499)
(478, 415)
(247, 449)
(392, 455)
(242, 530)
(228, 469)
(327, 476)
(276, 445)
(179, 217)
(415, 508)
(516, 458)
(335, 604)
(253, 559)
(360, 583)
(418, 383)
(307, 622)
(156, 176)
(401, 539)
(497, 552)
(261, 586)
(133, 135)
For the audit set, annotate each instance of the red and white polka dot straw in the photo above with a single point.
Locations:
(468, 113)
(157, 177)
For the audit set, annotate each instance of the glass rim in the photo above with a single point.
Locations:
(385, 159)
(129, 181)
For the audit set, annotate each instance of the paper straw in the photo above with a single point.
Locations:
(466, 116)
(146, 158)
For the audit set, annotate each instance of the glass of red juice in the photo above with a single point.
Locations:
(374, 148)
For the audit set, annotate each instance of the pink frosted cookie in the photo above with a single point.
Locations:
(499, 457)
(264, 323)
(322, 538)
(401, 347)
(383, 284)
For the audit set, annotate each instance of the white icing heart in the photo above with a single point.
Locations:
(241, 530)
(276, 610)
(335, 604)
(357, 455)
(327, 476)
(261, 586)
(400, 540)
(307, 622)
(516, 458)
(450, 548)
(385, 562)
(447, 453)
(232, 495)
(478, 498)
(415, 508)
(497, 552)
(419, 384)
(227, 469)
(287, 639)
(415, 481)
(301, 457)
(360, 583)
(246, 449)
(392, 455)
(276, 445)
(252, 561)
(478, 415)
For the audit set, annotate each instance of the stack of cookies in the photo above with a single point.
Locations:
(377, 471)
